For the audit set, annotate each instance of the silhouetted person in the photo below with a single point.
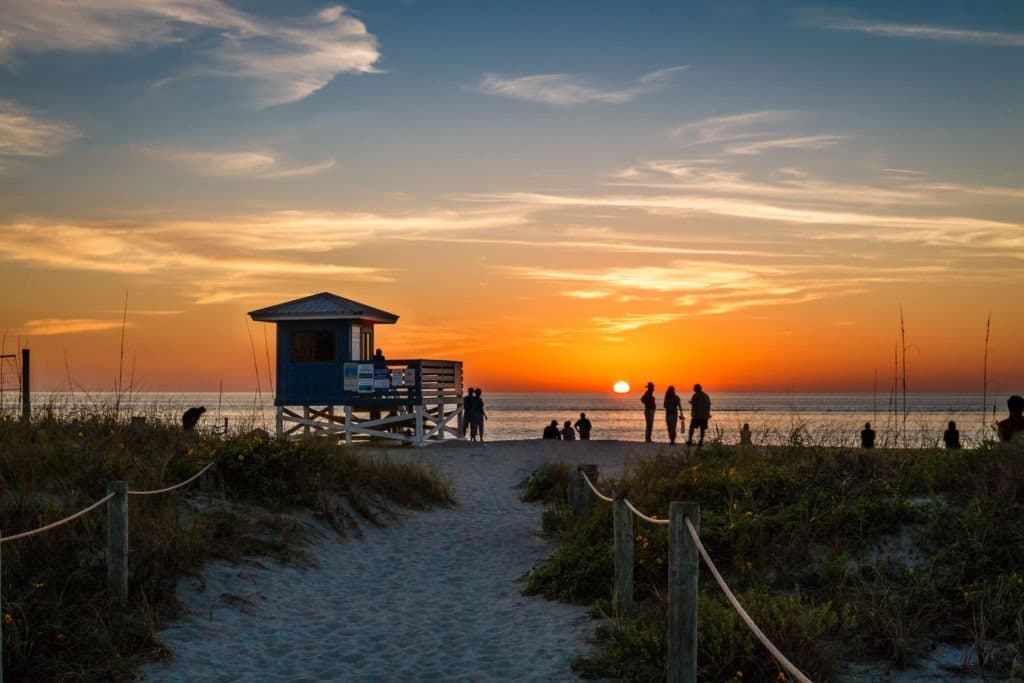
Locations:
(378, 356)
(650, 406)
(190, 417)
(467, 401)
(583, 427)
(568, 433)
(745, 439)
(1012, 427)
(477, 415)
(951, 436)
(700, 413)
(672, 406)
(551, 431)
(867, 436)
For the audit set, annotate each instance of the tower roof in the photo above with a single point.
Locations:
(322, 306)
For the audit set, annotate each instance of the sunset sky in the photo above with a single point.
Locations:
(559, 194)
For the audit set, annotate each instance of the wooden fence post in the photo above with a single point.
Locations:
(117, 542)
(622, 523)
(1, 620)
(683, 563)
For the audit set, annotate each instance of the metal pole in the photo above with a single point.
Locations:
(26, 393)
(117, 542)
(622, 522)
(684, 561)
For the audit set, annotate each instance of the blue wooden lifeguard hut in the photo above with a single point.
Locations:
(328, 380)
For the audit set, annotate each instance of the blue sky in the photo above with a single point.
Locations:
(215, 154)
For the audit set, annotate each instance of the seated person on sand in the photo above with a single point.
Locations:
(951, 436)
(745, 439)
(551, 431)
(1012, 427)
(867, 436)
(568, 433)
(190, 417)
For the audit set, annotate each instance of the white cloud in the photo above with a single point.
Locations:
(566, 89)
(260, 165)
(24, 133)
(284, 60)
(919, 31)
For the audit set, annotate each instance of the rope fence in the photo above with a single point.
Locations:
(117, 536)
(685, 551)
(172, 488)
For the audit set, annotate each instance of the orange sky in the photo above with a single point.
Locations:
(739, 196)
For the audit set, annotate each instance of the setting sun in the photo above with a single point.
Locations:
(621, 387)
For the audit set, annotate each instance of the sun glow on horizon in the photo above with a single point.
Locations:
(621, 387)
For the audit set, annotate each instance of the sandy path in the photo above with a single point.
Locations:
(432, 598)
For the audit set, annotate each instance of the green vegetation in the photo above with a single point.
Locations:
(58, 623)
(838, 554)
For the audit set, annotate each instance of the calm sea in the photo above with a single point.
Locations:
(810, 419)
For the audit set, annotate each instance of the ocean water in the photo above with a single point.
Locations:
(830, 419)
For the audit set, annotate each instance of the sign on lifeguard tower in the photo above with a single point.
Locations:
(326, 361)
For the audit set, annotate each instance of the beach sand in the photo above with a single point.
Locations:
(432, 597)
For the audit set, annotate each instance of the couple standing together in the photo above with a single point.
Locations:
(473, 414)
(700, 412)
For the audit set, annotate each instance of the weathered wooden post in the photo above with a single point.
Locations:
(26, 392)
(1, 619)
(622, 523)
(117, 542)
(683, 563)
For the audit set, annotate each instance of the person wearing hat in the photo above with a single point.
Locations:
(650, 406)
(700, 413)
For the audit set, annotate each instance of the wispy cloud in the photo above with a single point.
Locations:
(232, 249)
(259, 165)
(283, 59)
(794, 142)
(52, 326)
(568, 89)
(726, 128)
(23, 133)
(944, 34)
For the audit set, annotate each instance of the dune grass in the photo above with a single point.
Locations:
(838, 554)
(59, 625)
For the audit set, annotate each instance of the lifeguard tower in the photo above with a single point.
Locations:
(329, 382)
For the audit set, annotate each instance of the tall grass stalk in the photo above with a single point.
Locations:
(984, 372)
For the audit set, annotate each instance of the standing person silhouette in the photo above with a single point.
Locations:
(700, 413)
(477, 416)
(867, 436)
(551, 431)
(951, 437)
(1013, 426)
(568, 433)
(650, 406)
(583, 427)
(672, 407)
(467, 403)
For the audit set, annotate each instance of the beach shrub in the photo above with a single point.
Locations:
(858, 552)
(58, 624)
(549, 484)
